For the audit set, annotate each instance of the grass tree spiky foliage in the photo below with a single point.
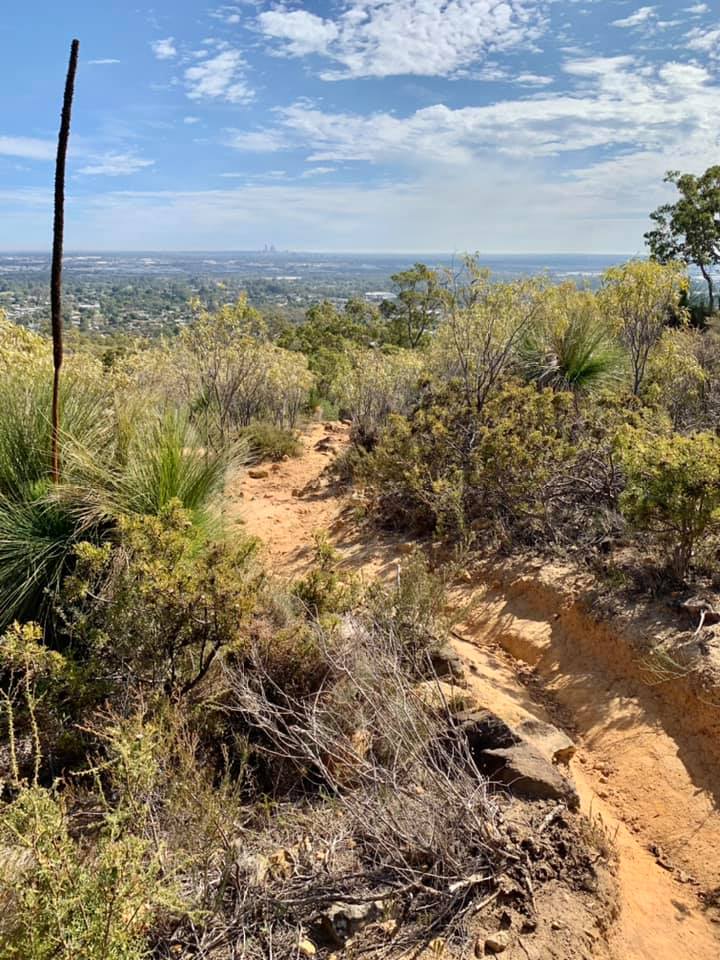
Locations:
(110, 469)
(577, 351)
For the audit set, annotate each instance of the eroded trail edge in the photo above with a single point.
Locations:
(647, 760)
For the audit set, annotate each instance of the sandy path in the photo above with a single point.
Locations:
(635, 766)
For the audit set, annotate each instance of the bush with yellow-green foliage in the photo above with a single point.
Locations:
(522, 468)
(373, 385)
(672, 490)
(159, 607)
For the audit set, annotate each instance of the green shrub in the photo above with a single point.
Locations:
(64, 899)
(266, 441)
(159, 607)
(323, 592)
(672, 491)
(457, 471)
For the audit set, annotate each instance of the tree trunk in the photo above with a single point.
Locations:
(56, 272)
(711, 288)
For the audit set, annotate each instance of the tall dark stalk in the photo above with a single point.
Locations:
(56, 273)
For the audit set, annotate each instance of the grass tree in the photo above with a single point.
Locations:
(56, 275)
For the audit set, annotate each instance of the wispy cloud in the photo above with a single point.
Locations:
(705, 40)
(636, 19)
(115, 165)
(105, 61)
(29, 148)
(381, 38)
(219, 77)
(317, 172)
(164, 49)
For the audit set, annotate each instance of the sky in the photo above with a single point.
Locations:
(500, 126)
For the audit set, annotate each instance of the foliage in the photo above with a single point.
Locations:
(159, 608)
(268, 442)
(322, 591)
(642, 297)
(689, 229)
(417, 307)
(457, 471)
(571, 346)
(65, 899)
(231, 375)
(376, 384)
(677, 378)
(673, 490)
(477, 341)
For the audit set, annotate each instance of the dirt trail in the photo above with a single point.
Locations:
(642, 768)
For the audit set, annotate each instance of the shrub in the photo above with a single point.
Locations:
(375, 385)
(65, 899)
(673, 490)
(159, 607)
(571, 347)
(266, 441)
(454, 470)
(642, 297)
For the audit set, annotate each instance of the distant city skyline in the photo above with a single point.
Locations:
(394, 126)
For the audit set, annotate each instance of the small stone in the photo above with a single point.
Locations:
(258, 473)
(307, 948)
(555, 925)
(497, 942)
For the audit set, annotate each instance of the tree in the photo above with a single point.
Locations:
(418, 306)
(642, 297)
(56, 275)
(689, 229)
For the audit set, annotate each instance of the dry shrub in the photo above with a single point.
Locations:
(394, 814)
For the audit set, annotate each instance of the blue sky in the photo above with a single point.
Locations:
(391, 125)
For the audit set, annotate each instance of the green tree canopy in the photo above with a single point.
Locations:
(689, 229)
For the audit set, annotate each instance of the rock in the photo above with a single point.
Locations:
(258, 473)
(503, 755)
(275, 468)
(695, 607)
(484, 730)
(446, 663)
(497, 942)
(552, 742)
(525, 770)
(343, 920)
(326, 445)
(307, 948)
(439, 695)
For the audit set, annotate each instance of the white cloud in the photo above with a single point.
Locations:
(302, 32)
(697, 9)
(636, 19)
(220, 77)
(115, 165)
(317, 172)
(618, 105)
(103, 62)
(705, 40)
(380, 38)
(164, 49)
(191, 120)
(257, 141)
(29, 148)
(532, 80)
